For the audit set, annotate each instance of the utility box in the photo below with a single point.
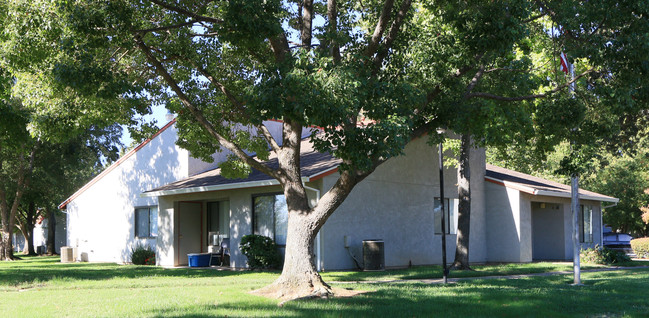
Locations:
(373, 255)
(67, 254)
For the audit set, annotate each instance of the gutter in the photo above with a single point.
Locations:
(581, 196)
(229, 186)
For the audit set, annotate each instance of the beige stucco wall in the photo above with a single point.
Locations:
(510, 217)
(395, 204)
(503, 219)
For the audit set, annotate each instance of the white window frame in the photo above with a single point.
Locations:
(152, 221)
(586, 229)
(450, 216)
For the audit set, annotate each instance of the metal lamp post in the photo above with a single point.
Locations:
(441, 131)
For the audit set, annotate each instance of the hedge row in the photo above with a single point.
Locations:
(640, 247)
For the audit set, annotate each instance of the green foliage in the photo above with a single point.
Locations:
(603, 256)
(624, 177)
(640, 247)
(261, 251)
(142, 255)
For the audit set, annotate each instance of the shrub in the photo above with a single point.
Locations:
(603, 255)
(261, 251)
(640, 247)
(142, 255)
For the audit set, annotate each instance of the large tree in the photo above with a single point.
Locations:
(16, 162)
(60, 168)
(38, 113)
(372, 74)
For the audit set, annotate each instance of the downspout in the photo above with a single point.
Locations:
(317, 237)
(609, 206)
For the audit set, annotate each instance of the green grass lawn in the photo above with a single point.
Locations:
(43, 287)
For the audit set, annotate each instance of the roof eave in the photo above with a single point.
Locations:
(220, 187)
(556, 194)
(581, 196)
(510, 185)
(64, 204)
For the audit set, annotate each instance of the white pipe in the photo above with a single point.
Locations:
(317, 237)
(601, 221)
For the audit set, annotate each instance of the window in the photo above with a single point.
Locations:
(218, 222)
(271, 217)
(586, 224)
(146, 221)
(450, 211)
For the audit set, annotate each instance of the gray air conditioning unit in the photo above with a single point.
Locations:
(67, 254)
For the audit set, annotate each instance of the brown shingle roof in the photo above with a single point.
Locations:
(312, 165)
(538, 186)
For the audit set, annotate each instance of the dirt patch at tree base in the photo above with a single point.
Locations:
(337, 293)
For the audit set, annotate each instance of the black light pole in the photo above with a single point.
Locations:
(441, 200)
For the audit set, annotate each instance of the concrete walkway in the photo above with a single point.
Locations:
(454, 280)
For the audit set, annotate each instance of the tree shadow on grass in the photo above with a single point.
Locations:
(43, 269)
(605, 295)
(434, 272)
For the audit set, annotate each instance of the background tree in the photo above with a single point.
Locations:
(59, 169)
(37, 112)
(16, 162)
(617, 167)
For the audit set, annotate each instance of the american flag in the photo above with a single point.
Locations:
(564, 63)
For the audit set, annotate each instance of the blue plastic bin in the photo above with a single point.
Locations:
(199, 259)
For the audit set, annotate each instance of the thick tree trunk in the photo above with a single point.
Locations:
(6, 248)
(299, 277)
(51, 232)
(464, 208)
(28, 249)
(6, 244)
(29, 228)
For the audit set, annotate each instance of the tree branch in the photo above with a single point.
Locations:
(209, 76)
(269, 138)
(528, 97)
(280, 48)
(474, 81)
(198, 114)
(168, 27)
(392, 34)
(379, 29)
(438, 89)
(536, 17)
(332, 15)
(185, 12)
(220, 86)
(307, 19)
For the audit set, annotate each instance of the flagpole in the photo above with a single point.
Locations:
(574, 197)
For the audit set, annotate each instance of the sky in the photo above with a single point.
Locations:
(158, 113)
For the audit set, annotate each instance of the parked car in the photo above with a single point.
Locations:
(614, 240)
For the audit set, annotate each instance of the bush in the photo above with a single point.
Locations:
(142, 255)
(603, 255)
(640, 247)
(261, 251)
